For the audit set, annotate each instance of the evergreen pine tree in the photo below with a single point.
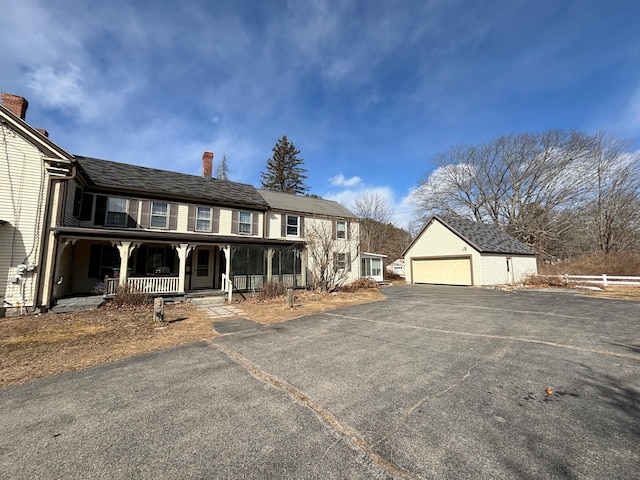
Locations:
(284, 172)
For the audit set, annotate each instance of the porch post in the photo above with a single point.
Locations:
(61, 248)
(183, 252)
(270, 253)
(227, 273)
(125, 249)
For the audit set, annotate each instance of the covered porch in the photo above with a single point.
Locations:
(100, 264)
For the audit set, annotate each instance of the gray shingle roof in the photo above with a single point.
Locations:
(114, 176)
(485, 238)
(296, 203)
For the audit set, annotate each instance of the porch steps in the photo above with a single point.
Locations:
(204, 301)
(75, 304)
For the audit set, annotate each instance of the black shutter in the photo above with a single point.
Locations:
(215, 220)
(87, 206)
(101, 210)
(191, 219)
(348, 258)
(235, 215)
(254, 226)
(173, 216)
(145, 215)
(301, 226)
(77, 202)
(283, 226)
(132, 218)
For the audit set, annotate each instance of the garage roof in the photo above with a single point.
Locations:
(484, 238)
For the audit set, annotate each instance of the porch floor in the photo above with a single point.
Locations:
(75, 304)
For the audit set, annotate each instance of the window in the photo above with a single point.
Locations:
(244, 222)
(293, 226)
(203, 219)
(117, 212)
(202, 268)
(371, 267)
(341, 229)
(159, 214)
(341, 261)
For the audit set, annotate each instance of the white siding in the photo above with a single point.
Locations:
(524, 267)
(325, 228)
(274, 225)
(22, 199)
(437, 241)
(493, 270)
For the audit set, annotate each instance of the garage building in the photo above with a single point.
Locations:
(456, 251)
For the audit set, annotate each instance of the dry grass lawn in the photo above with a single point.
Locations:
(38, 346)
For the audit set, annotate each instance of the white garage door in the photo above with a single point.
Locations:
(444, 271)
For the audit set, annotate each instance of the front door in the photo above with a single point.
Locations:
(202, 270)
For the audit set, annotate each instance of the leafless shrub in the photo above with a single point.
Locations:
(360, 284)
(272, 289)
(623, 264)
(127, 297)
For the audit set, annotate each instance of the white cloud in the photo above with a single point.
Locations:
(402, 208)
(341, 181)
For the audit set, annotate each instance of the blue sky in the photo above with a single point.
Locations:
(368, 91)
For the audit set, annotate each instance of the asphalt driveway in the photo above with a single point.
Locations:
(433, 382)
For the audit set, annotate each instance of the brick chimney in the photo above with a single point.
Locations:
(17, 105)
(207, 164)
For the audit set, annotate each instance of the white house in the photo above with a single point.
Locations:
(71, 224)
(456, 251)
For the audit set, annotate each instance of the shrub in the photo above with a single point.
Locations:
(394, 277)
(272, 289)
(623, 264)
(360, 284)
(129, 297)
(541, 281)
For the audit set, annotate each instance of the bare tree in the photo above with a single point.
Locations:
(375, 213)
(519, 182)
(222, 170)
(613, 210)
(330, 257)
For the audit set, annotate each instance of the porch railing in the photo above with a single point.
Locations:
(156, 285)
(255, 282)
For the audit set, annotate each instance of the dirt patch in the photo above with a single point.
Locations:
(38, 346)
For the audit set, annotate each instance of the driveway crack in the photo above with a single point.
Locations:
(344, 431)
(403, 418)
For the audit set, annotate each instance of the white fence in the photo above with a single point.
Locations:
(604, 279)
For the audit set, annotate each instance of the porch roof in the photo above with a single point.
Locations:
(165, 237)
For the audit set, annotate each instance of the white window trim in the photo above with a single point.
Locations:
(210, 219)
(297, 226)
(343, 232)
(159, 215)
(240, 223)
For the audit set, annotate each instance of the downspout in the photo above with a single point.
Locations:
(45, 236)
